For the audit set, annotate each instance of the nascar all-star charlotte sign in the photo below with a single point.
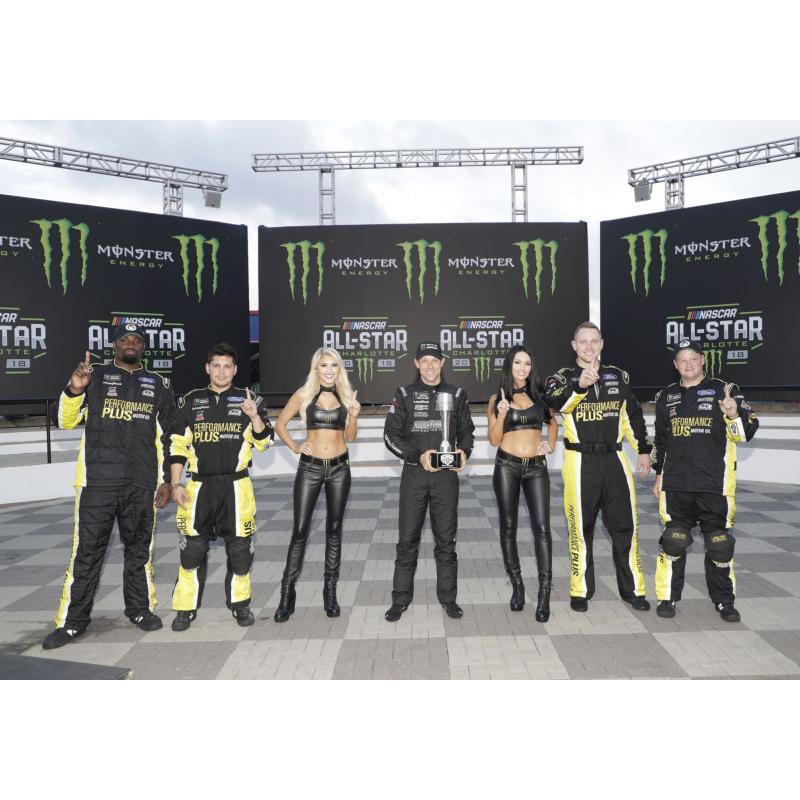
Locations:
(725, 275)
(69, 274)
(373, 292)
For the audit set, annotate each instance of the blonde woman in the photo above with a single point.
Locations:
(329, 409)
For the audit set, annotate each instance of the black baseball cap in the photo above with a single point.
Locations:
(688, 344)
(128, 329)
(429, 349)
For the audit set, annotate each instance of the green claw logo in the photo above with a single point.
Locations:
(482, 367)
(365, 366)
(781, 219)
(647, 237)
(63, 226)
(539, 246)
(305, 248)
(422, 246)
(199, 242)
(714, 357)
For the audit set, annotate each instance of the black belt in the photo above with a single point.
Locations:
(598, 447)
(540, 460)
(326, 462)
(199, 476)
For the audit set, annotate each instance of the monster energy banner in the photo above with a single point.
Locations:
(373, 292)
(725, 275)
(70, 274)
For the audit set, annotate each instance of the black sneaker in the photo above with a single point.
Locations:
(61, 636)
(728, 612)
(579, 604)
(394, 613)
(637, 602)
(243, 616)
(183, 619)
(452, 609)
(147, 621)
(666, 609)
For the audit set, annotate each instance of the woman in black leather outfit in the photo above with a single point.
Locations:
(516, 415)
(328, 408)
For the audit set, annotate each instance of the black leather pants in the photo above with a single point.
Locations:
(532, 477)
(312, 473)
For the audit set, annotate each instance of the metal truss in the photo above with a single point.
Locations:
(673, 173)
(327, 162)
(174, 179)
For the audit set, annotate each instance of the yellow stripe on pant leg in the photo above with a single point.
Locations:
(663, 562)
(571, 472)
(634, 557)
(149, 571)
(245, 511)
(187, 588)
(66, 592)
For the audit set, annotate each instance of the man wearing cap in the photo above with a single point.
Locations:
(599, 409)
(122, 474)
(413, 432)
(699, 422)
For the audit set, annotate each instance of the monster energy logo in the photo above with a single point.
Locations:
(365, 366)
(713, 363)
(64, 226)
(647, 237)
(481, 365)
(199, 241)
(422, 247)
(539, 246)
(781, 226)
(305, 248)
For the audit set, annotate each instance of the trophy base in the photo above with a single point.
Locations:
(446, 460)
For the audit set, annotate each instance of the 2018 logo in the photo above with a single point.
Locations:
(421, 248)
(539, 246)
(63, 228)
(305, 248)
(646, 238)
(781, 219)
(200, 242)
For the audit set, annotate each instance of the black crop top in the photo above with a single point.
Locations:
(331, 419)
(520, 419)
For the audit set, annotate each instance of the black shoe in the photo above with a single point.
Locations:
(637, 602)
(543, 602)
(286, 605)
(61, 636)
(452, 609)
(243, 616)
(394, 613)
(728, 612)
(147, 621)
(517, 593)
(666, 609)
(329, 602)
(183, 619)
(579, 604)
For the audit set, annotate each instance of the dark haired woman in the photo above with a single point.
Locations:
(328, 408)
(516, 415)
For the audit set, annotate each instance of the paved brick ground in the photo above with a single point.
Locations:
(610, 641)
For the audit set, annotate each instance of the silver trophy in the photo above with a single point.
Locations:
(445, 458)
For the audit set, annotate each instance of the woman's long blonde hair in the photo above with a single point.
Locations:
(311, 387)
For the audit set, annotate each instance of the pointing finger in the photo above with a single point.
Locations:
(247, 390)
(502, 394)
(86, 360)
(355, 395)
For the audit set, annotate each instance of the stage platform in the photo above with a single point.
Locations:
(611, 641)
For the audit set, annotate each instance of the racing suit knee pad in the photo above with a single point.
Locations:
(240, 554)
(674, 541)
(719, 546)
(193, 551)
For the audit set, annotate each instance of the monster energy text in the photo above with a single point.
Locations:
(781, 219)
(128, 256)
(420, 247)
(539, 246)
(62, 229)
(480, 266)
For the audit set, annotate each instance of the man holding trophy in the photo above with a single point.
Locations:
(429, 426)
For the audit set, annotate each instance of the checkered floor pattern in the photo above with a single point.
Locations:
(490, 642)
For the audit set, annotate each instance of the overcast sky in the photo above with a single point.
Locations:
(594, 191)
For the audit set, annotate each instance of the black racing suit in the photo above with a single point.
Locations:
(596, 473)
(695, 454)
(122, 459)
(214, 438)
(414, 425)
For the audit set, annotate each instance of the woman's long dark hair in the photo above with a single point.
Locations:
(533, 385)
